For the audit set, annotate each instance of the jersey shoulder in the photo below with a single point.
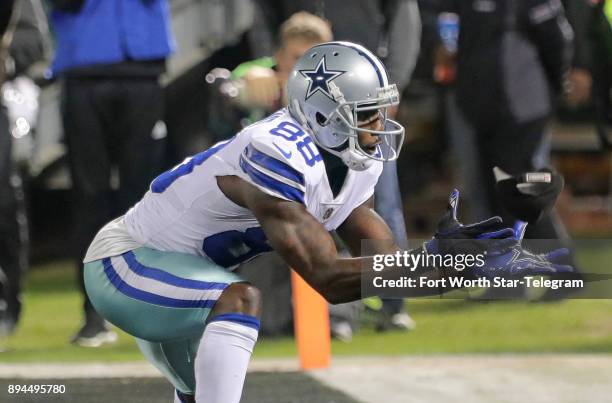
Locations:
(280, 158)
(374, 171)
(366, 182)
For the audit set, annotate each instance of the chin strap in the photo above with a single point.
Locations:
(354, 160)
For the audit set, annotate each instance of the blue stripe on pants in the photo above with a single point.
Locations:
(151, 298)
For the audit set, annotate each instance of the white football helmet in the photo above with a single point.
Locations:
(335, 87)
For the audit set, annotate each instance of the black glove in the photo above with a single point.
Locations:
(69, 6)
(452, 237)
(530, 195)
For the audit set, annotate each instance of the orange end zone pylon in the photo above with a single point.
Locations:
(311, 320)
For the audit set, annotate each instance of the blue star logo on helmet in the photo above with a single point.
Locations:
(319, 78)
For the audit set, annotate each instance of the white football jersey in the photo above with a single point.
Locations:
(185, 211)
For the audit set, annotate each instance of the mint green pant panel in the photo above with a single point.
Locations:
(146, 320)
(175, 360)
(138, 318)
(167, 336)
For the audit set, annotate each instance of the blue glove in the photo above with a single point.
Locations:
(452, 237)
(508, 258)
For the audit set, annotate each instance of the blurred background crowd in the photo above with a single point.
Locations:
(99, 96)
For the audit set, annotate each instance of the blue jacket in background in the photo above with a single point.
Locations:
(112, 31)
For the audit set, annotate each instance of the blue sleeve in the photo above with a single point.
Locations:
(273, 175)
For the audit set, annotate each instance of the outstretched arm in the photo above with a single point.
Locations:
(307, 247)
(364, 223)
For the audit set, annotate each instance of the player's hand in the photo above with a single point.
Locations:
(260, 88)
(453, 237)
(579, 87)
(516, 261)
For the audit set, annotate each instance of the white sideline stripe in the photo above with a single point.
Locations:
(159, 288)
(140, 369)
(63, 371)
(478, 378)
(499, 378)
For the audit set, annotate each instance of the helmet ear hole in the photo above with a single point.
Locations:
(321, 120)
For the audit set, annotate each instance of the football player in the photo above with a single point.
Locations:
(163, 272)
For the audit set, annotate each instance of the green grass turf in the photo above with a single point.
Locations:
(52, 313)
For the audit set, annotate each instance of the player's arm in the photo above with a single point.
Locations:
(305, 244)
(301, 240)
(553, 36)
(364, 223)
